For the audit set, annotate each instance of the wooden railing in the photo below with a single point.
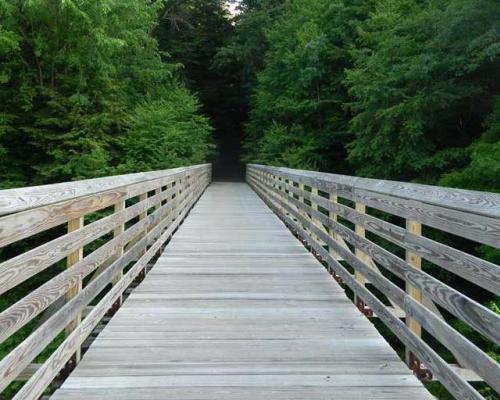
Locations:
(64, 245)
(369, 234)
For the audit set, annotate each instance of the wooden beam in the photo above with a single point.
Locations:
(416, 262)
(71, 260)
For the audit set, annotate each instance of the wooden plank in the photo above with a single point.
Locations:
(16, 200)
(455, 216)
(466, 200)
(26, 265)
(73, 259)
(474, 269)
(224, 316)
(244, 393)
(31, 346)
(415, 261)
(482, 363)
(451, 380)
(23, 311)
(23, 224)
(476, 315)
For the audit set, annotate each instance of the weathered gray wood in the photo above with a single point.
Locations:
(481, 272)
(158, 227)
(31, 346)
(479, 317)
(452, 381)
(23, 311)
(442, 208)
(460, 199)
(24, 353)
(24, 266)
(23, 224)
(16, 200)
(244, 393)
(292, 210)
(225, 314)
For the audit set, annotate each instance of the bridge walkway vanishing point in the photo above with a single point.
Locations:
(237, 308)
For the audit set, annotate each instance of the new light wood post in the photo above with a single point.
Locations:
(71, 260)
(333, 199)
(360, 230)
(314, 206)
(415, 261)
(120, 206)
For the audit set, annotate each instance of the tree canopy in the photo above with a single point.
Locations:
(386, 88)
(75, 79)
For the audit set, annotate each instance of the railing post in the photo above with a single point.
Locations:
(119, 207)
(333, 235)
(143, 215)
(415, 261)
(360, 230)
(314, 206)
(71, 260)
(334, 199)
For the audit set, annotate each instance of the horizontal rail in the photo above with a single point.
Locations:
(116, 226)
(332, 213)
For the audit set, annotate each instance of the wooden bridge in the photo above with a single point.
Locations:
(163, 286)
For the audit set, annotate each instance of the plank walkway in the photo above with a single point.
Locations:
(236, 308)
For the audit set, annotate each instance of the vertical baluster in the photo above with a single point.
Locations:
(71, 260)
(360, 230)
(120, 206)
(280, 187)
(302, 202)
(143, 215)
(157, 192)
(314, 206)
(177, 205)
(333, 199)
(415, 261)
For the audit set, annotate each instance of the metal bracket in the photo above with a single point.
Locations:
(114, 308)
(419, 369)
(339, 280)
(140, 276)
(360, 304)
(68, 368)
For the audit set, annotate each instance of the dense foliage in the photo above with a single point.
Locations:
(75, 79)
(388, 88)
(394, 89)
(192, 32)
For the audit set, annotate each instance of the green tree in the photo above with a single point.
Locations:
(425, 77)
(70, 74)
(301, 86)
(192, 32)
(165, 133)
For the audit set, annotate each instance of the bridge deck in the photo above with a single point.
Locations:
(236, 308)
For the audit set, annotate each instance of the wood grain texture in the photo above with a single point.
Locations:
(159, 217)
(473, 215)
(35, 386)
(465, 200)
(481, 272)
(479, 317)
(447, 375)
(237, 308)
(465, 351)
(16, 200)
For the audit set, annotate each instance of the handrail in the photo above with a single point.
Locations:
(115, 227)
(330, 213)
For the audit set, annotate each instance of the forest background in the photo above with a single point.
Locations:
(391, 89)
